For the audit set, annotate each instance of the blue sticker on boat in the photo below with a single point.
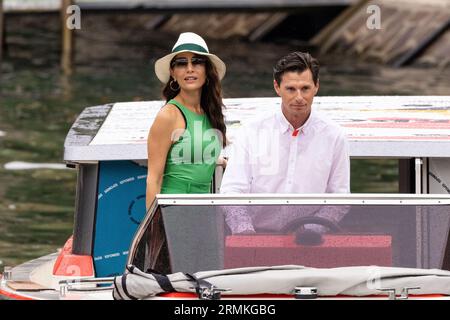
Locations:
(120, 209)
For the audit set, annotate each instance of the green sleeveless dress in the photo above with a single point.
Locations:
(191, 160)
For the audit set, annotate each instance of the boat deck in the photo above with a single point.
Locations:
(50, 5)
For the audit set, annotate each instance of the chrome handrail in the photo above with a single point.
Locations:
(67, 285)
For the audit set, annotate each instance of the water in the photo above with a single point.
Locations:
(38, 106)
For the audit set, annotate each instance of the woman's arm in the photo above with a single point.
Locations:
(158, 144)
(222, 161)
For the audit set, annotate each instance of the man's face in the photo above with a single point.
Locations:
(297, 91)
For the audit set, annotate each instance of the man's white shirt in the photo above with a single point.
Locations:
(268, 155)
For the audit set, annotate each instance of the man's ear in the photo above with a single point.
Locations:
(317, 86)
(276, 87)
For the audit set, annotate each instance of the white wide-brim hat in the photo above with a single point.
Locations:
(187, 42)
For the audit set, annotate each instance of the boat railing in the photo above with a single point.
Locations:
(85, 285)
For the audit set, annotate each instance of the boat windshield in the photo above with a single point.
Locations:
(211, 236)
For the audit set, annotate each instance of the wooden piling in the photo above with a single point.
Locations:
(425, 43)
(407, 29)
(2, 22)
(272, 21)
(224, 25)
(437, 55)
(324, 37)
(67, 40)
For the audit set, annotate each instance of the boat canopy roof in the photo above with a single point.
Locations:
(376, 126)
(192, 233)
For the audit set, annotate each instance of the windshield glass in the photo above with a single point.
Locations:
(191, 238)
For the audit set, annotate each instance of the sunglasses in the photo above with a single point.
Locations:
(183, 61)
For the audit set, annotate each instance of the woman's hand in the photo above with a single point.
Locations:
(222, 161)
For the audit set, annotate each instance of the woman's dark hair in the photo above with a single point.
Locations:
(211, 99)
(298, 62)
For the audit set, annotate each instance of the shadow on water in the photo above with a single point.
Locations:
(38, 106)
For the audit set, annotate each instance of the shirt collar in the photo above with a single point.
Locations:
(285, 126)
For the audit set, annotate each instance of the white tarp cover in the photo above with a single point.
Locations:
(351, 281)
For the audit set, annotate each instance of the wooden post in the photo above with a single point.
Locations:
(67, 40)
(325, 37)
(1, 33)
(268, 25)
(420, 47)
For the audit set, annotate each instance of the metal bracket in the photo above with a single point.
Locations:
(7, 273)
(209, 293)
(305, 292)
(63, 288)
(390, 291)
(76, 285)
(403, 296)
(418, 174)
(405, 292)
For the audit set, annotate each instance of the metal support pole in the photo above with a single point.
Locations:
(85, 209)
(67, 39)
(418, 171)
(422, 235)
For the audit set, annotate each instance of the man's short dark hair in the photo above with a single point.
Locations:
(297, 62)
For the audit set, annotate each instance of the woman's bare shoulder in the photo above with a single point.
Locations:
(168, 114)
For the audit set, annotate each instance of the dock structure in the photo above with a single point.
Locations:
(55, 5)
(223, 26)
(437, 54)
(214, 19)
(219, 19)
(407, 29)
